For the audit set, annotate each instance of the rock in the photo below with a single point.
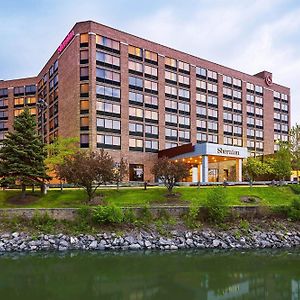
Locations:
(134, 247)
(216, 243)
(93, 245)
(173, 247)
(63, 243)
(147, 244)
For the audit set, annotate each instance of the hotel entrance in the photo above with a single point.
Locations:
(209, 162)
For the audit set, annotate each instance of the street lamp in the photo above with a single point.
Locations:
(42, 105)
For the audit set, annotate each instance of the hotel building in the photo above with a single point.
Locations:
(139, 100)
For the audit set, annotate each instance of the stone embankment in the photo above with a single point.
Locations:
(205, 239)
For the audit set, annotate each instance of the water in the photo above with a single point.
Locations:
(154, 275)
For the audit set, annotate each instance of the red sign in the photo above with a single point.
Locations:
(268, 80)
(66, 42)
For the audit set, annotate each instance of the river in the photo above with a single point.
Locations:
(204, 275)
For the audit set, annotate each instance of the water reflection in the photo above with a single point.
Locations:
(217, 275)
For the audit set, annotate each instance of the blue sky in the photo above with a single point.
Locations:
(250, 36)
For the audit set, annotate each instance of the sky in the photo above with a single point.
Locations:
(247, 35)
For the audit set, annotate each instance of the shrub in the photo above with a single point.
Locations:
(244, 225)
(295, 188)
(110, 214)
(146, 214)
(129, 216)
(294, 210)
(191, 218)
(216, 205)
(42, 222)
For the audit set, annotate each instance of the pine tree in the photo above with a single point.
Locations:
(22, 154)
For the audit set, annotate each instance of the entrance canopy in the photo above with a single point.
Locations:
(200, 155)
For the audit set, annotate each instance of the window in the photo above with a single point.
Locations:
(170, 90)
(108, 107)
(151, 115)
(84, 38)
(4, 92)
(3, 125)
(227, 80)
(171, 105)
(227, 116)
(237, 82)
(258, 111)
(136, 129)
(135, 51)
(250, 109)
(201, 110)
(201, 98)
(171, 133)
(19, 90)
(184, 121)
(183, 79)
(184, 93)
(107, 59)
(171, 62)
(30, 89)
(171, 76)
(19, 101)
(136, 144)
(211, 138)
(171, 119)
(184, 135)
(183, 107)
(84, 122)
(135, 66)
(259, 122)
(237, 118)
(227, 92)
(212, 126)
(107, 43)
(237, 106)
(212, 113)
(201, 72)
(201, 137)
(212, 75)
(250, 98)
(84, 56)
(250, 87)
(151, 71)
(201, 124)
(237, 142)
(228, 128)
(151, 85)
(107, 76)
(227, 140)
(114, 125)
(169, 145)
(136, 112)
(183, 66)
(30, 100)
(107, 92)
(108, 141)
(84, 73)
(151, 130)
(258, 89)
(84, 140)
(135, 82)
(284, 107)
(201, 84)
(237, 94)
(152, 56)
(151, 101)
(84, 105)
(212, 88)
(237, 130)
(3, 113)
(227, 104)
(276, 94)
(258, 100)
(151, 146)
(136, 97)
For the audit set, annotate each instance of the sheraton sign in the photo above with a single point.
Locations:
(228, 152)
(66, 42)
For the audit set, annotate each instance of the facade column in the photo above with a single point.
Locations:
(239, 169)
(204, 168)
(195, 174)
(200, 172)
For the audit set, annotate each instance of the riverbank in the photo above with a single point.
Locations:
(208, 238)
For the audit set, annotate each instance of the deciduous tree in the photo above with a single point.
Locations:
(120, 170)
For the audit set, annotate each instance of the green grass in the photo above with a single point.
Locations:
(137, 196)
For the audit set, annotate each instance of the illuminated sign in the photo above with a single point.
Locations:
(66, 41)
(227, 151)
(268, 80)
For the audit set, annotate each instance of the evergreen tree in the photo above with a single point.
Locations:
(22, 154)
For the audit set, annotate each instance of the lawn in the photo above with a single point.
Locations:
(137, 196)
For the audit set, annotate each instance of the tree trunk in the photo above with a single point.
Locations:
(44, 188)
(23, 191)
(32, 189)
(61, 186)
(118, 184)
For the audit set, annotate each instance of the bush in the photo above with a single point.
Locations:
(216, 205)
(42, 222)
(129, 216)
(110, 214)
(295, 188)
(294, 210)
(192, 217)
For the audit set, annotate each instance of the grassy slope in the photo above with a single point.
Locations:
(130, 196)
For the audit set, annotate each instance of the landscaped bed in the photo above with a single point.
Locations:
(271, 196)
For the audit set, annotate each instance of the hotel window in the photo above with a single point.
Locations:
(55, 80)
(30, 100)
(30, 89)
(151, 131)
(172, 91)
(151, 146)
(184, 135)
(201, 98)
(212, 88)
(84, 39)
(107, 59)
(135, 82)
(284, 97)
(259, 122)
(237, 106)
(84, 90)
(250, 98)
(250, 87)
(284, 138)
(3, 125)
(108, 92)
(284, 107)
(227, 80)
(137, 98)
(84, 123)
(284, 128)
(212, 113)
(171, 62)
(136, 129)
(185, 80)
(183, 108)
(250, 132)
(84, 73)
(250, 109)
(227, 140)
(135, 66)
(227, 92)
(136, 144)
(259, 100)
(201, 137)
(201, 111)
(227, 104)
(259, 134)
(136, 113)
(227, 116)
(259, 145)
(211, 100)
(169, 145)
(151, 116)
(4, 92)
(237, 118)
(107, 43)
(19, 90)
(183, 66)
(18, 101)
(84, 140)
(184, 121)
(111, 125)
(18, 111)
(182, 93)
(84, 106)
(276, 94)
(284, 118)
(212, 75)
(250, 121)
(135, 51)
(237, 82)
(151, 71)
(151, 86)
(171, 133)
(228, 128)
(237, 142)
(151, 56)
(237, 130)
(258, 111)
(3, 114)
(258, 89)
(277, 127)
(108, 141)
(277, 137)
(171, 105)
(84, 56)
(173, 119)
(201, 72)
(108, 108)
(170, 76)
(151, 101)
(108, 76)
(250, 144)
(237, 94)
(212, 138)
(201, 85)
(201, 124)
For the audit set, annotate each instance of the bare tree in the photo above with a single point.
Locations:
(120, 170)
(87, 169)
(170, 172)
